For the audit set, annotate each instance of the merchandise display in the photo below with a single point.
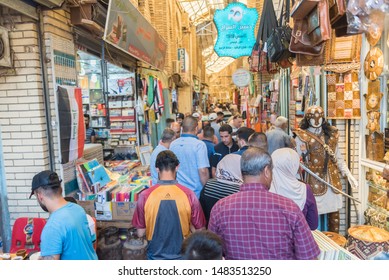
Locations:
(343, 96)
(111, 93)
(367, 241)
(374, 64)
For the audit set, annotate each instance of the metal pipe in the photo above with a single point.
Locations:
(46, 93)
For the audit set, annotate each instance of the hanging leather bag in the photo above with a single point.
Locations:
(279, 39)
(301, 42)
(337, 8)
(302, 8)
(319, 27)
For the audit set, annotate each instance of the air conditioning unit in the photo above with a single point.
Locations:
(176, 66)
(90, 12)
(5, 50)
(50, 3)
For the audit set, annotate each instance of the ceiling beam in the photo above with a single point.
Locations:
(21, 7)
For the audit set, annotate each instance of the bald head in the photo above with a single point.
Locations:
(189, 125)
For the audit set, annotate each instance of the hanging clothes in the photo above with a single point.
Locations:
(161, 101)
(158, 105)
(174, 101)
(150, 91)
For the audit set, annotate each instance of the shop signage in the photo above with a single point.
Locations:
(196, 84)
(183, 59)
(241, 77)
(128, 30)
(235, 26)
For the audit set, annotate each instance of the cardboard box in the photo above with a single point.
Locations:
(88, 205)
(103, 211)
(123, 211)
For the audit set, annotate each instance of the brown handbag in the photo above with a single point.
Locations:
(310, 60)
(302, 8)
(337, 10)
(301, 42)
(319, 28)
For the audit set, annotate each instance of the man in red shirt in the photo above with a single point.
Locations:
(258, 225)
(167, 212)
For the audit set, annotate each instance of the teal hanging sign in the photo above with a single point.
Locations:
(235, 26)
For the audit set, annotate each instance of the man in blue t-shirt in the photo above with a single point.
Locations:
(66, 234)
(193, 156)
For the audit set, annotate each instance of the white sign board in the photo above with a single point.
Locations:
(241, 77)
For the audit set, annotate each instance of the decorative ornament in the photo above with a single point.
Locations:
(373, 101)
(374, 64)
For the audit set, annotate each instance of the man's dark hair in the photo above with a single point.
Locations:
(225, 127)
(86, 116)
(244, 133)
(169, 121)
(168, 135)
(50, 191)
(220, 113)
(209, 132)
(70, 199)
(202, 245)
(166, 161)
(258, 139)
(189, 124)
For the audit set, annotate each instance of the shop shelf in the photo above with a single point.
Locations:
(113, 95)
(122, 118)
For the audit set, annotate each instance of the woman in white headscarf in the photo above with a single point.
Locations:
(285, 183)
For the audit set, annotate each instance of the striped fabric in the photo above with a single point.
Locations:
(220, 189)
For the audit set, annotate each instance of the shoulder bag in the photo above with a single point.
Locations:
(279, 39)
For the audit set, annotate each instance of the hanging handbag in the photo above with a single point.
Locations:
(267, 23)
(337, 8)
(301, 42)
(302, 8)
(279, 39)
(319, 28)
(254, 59)
(310, 60)
(265, 65)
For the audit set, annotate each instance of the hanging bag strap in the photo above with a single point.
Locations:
(284, 16)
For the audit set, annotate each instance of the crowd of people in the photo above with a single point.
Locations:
(219, 190)
(232, 190)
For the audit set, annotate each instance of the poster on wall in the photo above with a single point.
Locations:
(343, 96)
(235, 27)
(128, 30)
(71, 123)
